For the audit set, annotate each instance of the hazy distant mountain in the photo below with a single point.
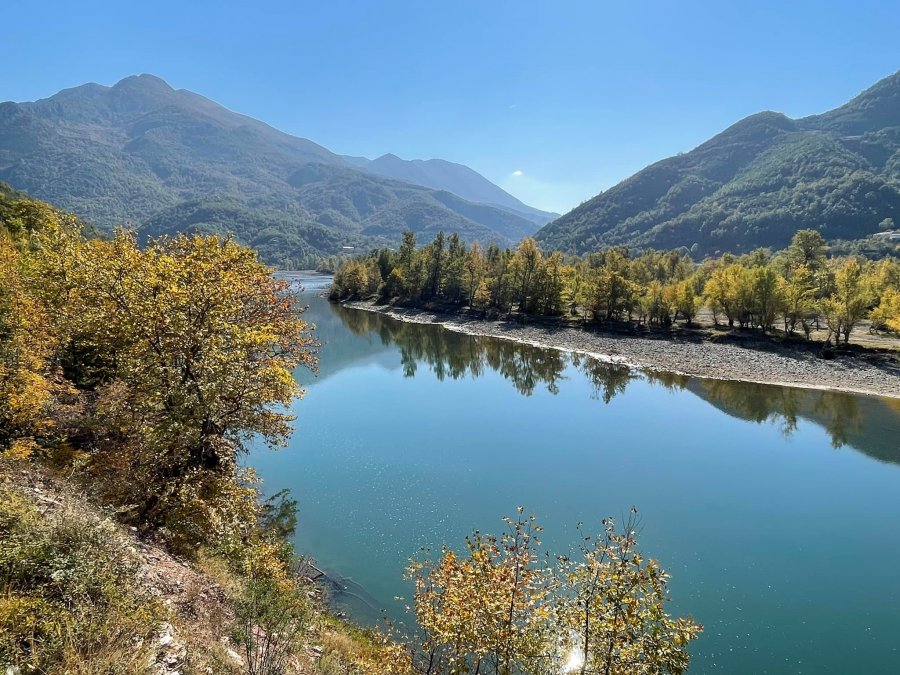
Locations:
(755, 184)
(455, 178)
(144, 154)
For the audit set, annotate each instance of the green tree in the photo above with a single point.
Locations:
(799, 300)
(525, 266)
(475, 269)
(729, 291)
(611, 293)
(436, 255)
(686, 300)
(807, 248)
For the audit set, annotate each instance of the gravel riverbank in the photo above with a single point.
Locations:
(875, 374)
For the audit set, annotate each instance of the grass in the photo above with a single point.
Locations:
(71, 600)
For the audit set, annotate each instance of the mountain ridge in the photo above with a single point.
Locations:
(755, 183)
(143, 154)
(452, 177)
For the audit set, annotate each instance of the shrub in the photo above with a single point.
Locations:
(70, 597)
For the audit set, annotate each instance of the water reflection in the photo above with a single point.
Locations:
(863, 423)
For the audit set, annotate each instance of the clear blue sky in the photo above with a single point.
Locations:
(552, 100)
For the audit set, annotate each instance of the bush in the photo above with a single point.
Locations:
(70, 601)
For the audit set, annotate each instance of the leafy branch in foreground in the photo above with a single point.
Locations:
(497, 611)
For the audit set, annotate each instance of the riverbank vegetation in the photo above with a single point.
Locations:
(791, 291)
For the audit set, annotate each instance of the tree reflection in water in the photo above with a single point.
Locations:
(864, 423)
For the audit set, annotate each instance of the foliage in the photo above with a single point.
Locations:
(70, 597)
(204, 343)
(272, 618)
(761, 290)
(497, 610)
(485, 610)
(850, 300)
(613, 600)
(887, 315)
(25, 348)
(152, 366)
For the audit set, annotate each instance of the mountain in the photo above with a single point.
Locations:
(456, 178)
(755, 184)
(163, 160)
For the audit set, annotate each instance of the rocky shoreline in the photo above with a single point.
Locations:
(875, 373)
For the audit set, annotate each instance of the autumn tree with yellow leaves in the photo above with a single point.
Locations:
(154, 365)
(500, 609)
(797, 288)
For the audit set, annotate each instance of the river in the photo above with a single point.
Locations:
(776, 510)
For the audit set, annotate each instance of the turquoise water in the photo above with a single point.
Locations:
(776, 510)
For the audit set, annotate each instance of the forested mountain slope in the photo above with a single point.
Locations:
(143, 154)
(755, 184)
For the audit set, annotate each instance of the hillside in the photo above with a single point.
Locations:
(144, 154)
(755, 184)
(451, 177)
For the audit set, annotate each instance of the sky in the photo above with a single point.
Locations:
(553, 100)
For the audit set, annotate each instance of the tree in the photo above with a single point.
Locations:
(729, 291)
(549, 285)
(573, 292)
(611, 292)
(205, 342)
(454, 287)
(686, 300)
(656, 304)
(614, 601)
(799, 296)
(436, 255)
(480, 612)
(807, 248)
(525, 264)
(887, 315)
(496, 611)
(482, 296)
(407, 252)
(395, 285)
(409, 263)
(26, 346)
(352, 281)
(768, 299)
(475, 268)
(848, 302)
